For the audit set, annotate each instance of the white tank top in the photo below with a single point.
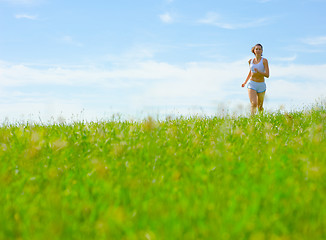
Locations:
(259, 66)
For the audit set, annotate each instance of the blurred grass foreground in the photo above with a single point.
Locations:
(256, 178)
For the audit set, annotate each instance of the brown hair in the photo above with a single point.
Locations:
(253, 48)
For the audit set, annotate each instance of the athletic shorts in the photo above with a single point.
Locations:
(259, 87)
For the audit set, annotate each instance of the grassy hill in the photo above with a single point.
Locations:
(254, 178)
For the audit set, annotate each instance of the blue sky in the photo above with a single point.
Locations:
(90, 59)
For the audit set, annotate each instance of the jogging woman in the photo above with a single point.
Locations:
(258, 71)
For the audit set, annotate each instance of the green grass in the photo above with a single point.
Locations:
(254, 178)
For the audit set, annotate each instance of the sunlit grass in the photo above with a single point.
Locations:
(261, 177)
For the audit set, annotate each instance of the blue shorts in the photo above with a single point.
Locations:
(259, 87)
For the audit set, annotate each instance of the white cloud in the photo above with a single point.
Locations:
(69, 40)
(215, 19)
(145, 84)
(304, 48)
(321, 40)
(286, 59)
(136, 53)
(166, 18)
(311, 73)
(23, 2)
(26, 16)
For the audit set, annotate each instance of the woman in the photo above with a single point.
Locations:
(258, 71)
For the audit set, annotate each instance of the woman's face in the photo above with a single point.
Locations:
(258, 50)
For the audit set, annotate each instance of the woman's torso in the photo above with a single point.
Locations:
(259, 66)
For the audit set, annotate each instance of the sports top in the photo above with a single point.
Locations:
(259, 66)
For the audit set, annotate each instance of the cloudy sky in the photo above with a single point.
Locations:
(92, 59)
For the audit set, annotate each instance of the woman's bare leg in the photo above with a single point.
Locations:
(253, 100)
(261, 97)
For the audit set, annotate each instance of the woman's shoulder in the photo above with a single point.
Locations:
(249, 61)
(265, 60)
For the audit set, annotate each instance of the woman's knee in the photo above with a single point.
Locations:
(254, 104)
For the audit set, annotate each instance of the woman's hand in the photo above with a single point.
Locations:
(243, 85)
(257, 74)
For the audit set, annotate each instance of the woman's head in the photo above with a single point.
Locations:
(258, 48)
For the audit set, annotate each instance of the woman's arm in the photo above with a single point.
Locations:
(248, 77)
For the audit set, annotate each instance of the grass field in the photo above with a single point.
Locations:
(256, 178)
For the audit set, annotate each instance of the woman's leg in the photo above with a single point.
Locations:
(261, 97)
(253, 100)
